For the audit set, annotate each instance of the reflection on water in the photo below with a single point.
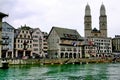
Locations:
(62, 72)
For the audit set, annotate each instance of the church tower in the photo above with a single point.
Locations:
(87, 21)
(103, 21)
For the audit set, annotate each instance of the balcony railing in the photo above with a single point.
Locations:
(5, 43)
(5, 37)
(5, 49)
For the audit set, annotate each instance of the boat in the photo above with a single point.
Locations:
(4, 65)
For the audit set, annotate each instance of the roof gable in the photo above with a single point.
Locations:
(65, 33)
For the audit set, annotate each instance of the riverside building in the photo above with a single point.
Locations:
(45, 44)
(23, 42)
(2, 15)
(29, 42)
(116, 44)
(37, 42)
(7, 40)
(64, 43)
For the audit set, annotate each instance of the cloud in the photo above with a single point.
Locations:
(62, 13)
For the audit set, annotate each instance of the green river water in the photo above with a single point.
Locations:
(106, 71)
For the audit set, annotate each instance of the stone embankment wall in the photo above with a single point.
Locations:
(60, 61)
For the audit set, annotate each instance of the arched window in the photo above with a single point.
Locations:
(66, 55)
(74, 55)
(70, 55)
(62, 55)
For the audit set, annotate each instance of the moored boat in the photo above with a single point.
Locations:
(4, 65)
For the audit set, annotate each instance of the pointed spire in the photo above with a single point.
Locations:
(87, 10)
(102, 9)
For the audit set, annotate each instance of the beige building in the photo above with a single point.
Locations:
(30, 42)
(116, 44)
(64, 43)
(23, 42)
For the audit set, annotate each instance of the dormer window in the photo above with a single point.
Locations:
(20, 36)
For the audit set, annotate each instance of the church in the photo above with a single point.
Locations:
(98, 38)
(89, 32)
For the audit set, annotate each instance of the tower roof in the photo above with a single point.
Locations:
(87, 10)
(102, 10)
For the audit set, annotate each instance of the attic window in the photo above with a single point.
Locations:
(71, 36)
(65, 35)
(20, 36)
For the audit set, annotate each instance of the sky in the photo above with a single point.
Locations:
(45, 14)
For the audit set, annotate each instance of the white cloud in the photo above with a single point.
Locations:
(64, 13)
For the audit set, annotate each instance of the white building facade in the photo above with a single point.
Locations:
(37, 45)
(102, 46)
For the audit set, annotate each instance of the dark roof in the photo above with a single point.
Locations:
(65, 33)
(95, 30)
(3, 15)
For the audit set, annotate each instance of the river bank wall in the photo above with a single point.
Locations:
(60, 61)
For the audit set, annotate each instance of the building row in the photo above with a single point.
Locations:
(60, 42)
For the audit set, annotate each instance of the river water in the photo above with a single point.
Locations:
(106, 71)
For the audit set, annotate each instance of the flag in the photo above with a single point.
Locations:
(74, 43)
(90, 43)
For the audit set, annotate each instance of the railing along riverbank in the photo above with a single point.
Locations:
(61, 61)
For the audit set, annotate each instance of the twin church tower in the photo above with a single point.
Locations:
(89, 32)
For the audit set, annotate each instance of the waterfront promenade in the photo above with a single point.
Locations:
(61, 61)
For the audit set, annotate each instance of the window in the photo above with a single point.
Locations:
(35, 36)
(28, 36)
(35, 40)
(21, 45)
(21, 41)
(35, 45)
(18, 40)
(18, 46)
(30, 46)
(69, 49)
(24, 36)
(37, 32)
(20, 36)
(35, 49)
(62, 49)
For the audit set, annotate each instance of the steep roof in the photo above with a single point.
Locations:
(65, 33)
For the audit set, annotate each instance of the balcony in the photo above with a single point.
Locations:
(5, 49)
(5, 43)
(5, 37)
